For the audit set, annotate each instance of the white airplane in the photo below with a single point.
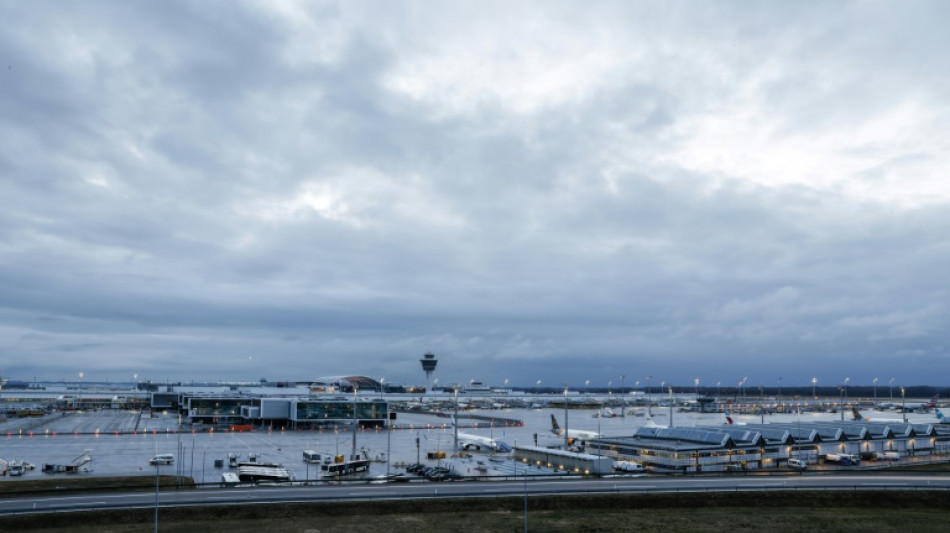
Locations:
(468, 441)
(730, 421)
(606, 412)
(652, 424)
(573, 434)
(941, 419)
(857, 416)
(923, 407)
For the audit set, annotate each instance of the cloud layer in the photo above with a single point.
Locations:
(565, 193)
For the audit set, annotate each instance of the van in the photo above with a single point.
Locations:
(797, 464)
(162, 459)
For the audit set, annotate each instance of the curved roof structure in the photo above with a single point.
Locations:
(350, 382)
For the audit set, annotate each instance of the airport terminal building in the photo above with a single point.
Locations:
(752, 447)
(330, 406)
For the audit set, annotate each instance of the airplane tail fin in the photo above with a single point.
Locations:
(939, 413)
(728, 418)
(556, 429)
(855, 414)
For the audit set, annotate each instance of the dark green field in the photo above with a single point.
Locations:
(774, 512)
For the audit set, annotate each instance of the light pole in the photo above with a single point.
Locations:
(696, 382)
(79, 401)
(455, 426)
(874, 382)
(389, 431)
(903, 407)
(623, 398)
(355, 424)
(567, 438)
(157, 465)
(846, 380)
(841, 401)
(892, 388)
(671, 406)
(814, 388)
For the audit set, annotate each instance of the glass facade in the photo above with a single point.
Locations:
(317, 411)
(224, 408)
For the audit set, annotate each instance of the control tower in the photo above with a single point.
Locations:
(428, 366)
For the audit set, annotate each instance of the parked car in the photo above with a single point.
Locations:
(797, 464)
(162, 459)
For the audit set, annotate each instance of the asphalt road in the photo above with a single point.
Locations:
(355, 492)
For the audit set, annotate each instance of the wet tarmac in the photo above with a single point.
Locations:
(122, 442)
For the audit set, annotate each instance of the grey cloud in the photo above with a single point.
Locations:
(146, 195)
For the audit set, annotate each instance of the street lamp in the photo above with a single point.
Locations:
(814, 388)
(846, 380)
(892, 388)
(157, 465)
(567, 437)
(79, 404)
(696, 382)
(455, 426)
(623, 398)
(874, 381)
(903, 408)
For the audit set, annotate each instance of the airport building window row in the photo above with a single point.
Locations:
(714, 448)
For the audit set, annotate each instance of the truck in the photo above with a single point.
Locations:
(844, 459)
(888, 456)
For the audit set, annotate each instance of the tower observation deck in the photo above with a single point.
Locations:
(428, 365)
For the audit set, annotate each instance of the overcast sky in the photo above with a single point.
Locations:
(562, 191)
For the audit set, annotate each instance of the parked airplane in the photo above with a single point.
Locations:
(468, 441)
(918, 406)
(652, 424)
(573, 434)
(730, 421)
(941, 419)
(857, 416)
